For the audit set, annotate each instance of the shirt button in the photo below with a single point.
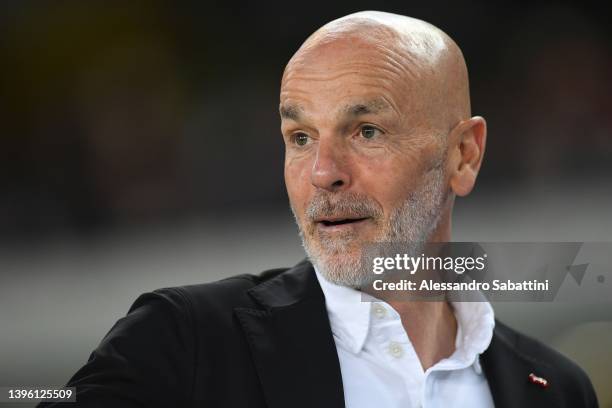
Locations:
(396, 350)
(379, 311)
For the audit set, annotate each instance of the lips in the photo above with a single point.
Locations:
(339, 221)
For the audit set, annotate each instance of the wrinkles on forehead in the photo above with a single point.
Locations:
(374, 73)
(352, 56)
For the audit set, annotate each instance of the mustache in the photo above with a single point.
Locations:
(349, 204)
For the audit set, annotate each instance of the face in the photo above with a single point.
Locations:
(364, 158)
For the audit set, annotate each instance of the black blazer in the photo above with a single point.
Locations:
(265, 341)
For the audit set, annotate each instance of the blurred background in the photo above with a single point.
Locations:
(140, 148)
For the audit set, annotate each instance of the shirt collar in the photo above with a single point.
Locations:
(349, 315)
(475, 323)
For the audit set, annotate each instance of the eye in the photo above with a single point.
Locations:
(300, 139)
(369, 132)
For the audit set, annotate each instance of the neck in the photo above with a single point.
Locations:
(430, 325)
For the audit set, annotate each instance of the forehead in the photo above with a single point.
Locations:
(346, 73)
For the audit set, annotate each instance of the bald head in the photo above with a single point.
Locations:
(419, 60)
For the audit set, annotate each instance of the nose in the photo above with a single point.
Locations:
(330, 169)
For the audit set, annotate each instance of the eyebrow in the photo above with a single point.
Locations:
(364, 108)
(292, 112)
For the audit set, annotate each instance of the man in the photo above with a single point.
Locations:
(379, 140)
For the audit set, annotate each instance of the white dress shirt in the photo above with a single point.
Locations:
(380, 367)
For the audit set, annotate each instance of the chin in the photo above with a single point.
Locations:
(337, 250)
(340, 265)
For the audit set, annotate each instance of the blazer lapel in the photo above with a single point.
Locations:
(507, 370)
(291, 341)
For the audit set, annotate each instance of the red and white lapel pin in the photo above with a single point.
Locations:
(542, 382)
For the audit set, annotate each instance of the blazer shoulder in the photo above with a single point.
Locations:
(570, 377)
(227, 293)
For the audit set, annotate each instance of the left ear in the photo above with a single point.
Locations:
(468, 140)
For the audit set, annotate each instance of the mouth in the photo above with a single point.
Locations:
(340, 222)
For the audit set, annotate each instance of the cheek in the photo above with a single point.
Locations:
(297, 181)
(389, 180)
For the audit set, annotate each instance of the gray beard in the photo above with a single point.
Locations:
(408, 228)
